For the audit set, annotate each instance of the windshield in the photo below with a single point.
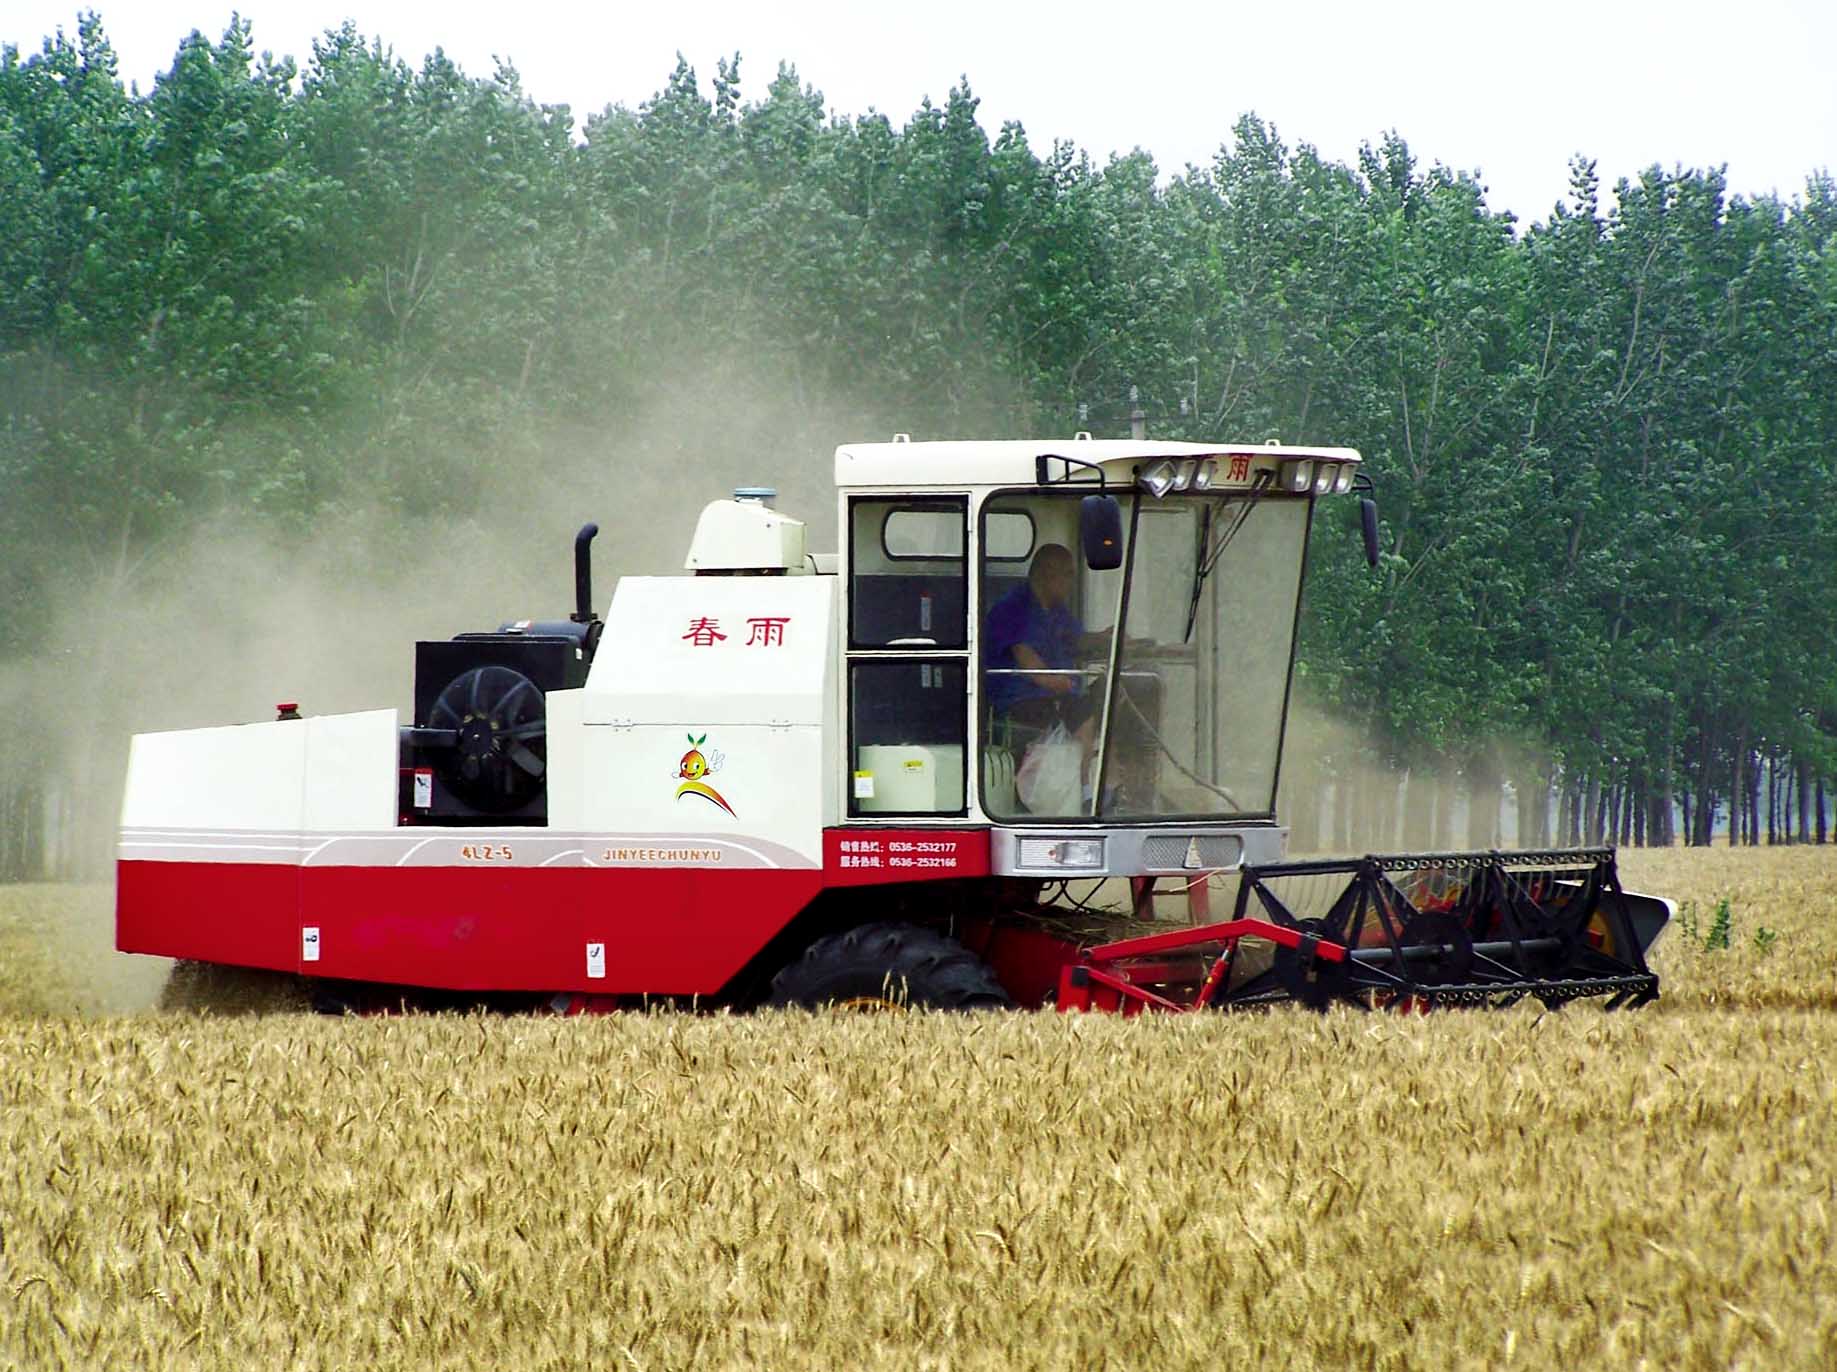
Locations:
(1206, 595)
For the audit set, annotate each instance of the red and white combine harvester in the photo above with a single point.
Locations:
(894, 773)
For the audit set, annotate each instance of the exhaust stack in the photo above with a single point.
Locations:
(583, 574)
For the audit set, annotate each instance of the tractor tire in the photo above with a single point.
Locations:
(888, 967)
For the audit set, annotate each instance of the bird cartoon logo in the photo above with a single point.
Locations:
(695, 768)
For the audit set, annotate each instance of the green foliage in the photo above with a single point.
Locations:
(1718, 937)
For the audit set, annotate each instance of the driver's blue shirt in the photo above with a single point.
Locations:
(1017, 618)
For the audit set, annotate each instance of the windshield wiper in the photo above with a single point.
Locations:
(1207, 558)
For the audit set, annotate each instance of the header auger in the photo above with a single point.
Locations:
(1029, 666)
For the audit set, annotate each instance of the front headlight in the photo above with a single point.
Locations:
(1296, 476)
(1323, 476)
(1070, 854)
(1343, 482)
(1204, 476)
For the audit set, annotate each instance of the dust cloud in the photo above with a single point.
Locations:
(243, 614)
(1347, 790)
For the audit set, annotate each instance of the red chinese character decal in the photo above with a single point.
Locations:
(768, 631)
(703, 632)
(1240, 468)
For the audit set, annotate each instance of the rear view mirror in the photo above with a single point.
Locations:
(1100, 531)
(1368, 522)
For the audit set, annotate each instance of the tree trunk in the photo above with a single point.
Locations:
(1418, 809)
(1804, 775)
(1667, 777)
(1522, 823)
(1753, 803)
(1704, 829)
(1301, 801)
(1485, 794)
(1738, 792)
(1377, 811)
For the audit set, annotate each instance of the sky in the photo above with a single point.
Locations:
(1511, 91)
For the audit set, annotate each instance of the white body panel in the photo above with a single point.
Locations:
(567, 769)
(714, 650)
(743, 663)
(326, 774)
(736, 534)
(771, 781)
(242, 776)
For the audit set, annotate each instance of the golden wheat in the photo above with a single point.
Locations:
(661, 1191)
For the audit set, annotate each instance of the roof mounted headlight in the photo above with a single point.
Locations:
(1184, 473)
(1205, 475)
(1296, 476)
(1343, 482)
(1323, 476)
(1158, 478)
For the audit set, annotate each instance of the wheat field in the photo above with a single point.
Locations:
(1521, 1189)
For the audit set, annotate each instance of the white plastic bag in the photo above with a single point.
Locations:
(1051, 776)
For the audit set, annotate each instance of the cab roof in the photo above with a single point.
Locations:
(1012, 461)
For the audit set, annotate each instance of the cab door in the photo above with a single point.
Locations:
(908, 657)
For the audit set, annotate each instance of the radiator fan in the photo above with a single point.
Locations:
(498, 757)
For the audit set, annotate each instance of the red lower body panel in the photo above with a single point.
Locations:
(244, 914)
(666, 932)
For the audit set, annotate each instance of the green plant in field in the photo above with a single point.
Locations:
(1721, 925)
(1764, 939)
(1717, 939)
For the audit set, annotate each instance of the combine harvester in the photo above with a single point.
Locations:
(862, 778)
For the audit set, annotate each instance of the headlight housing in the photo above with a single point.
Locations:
(1160, 477)
(1067, 854)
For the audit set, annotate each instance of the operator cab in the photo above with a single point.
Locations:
(1105, 628)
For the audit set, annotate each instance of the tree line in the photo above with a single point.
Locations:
(1603, 443)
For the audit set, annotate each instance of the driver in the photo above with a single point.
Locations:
(1032, 629)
